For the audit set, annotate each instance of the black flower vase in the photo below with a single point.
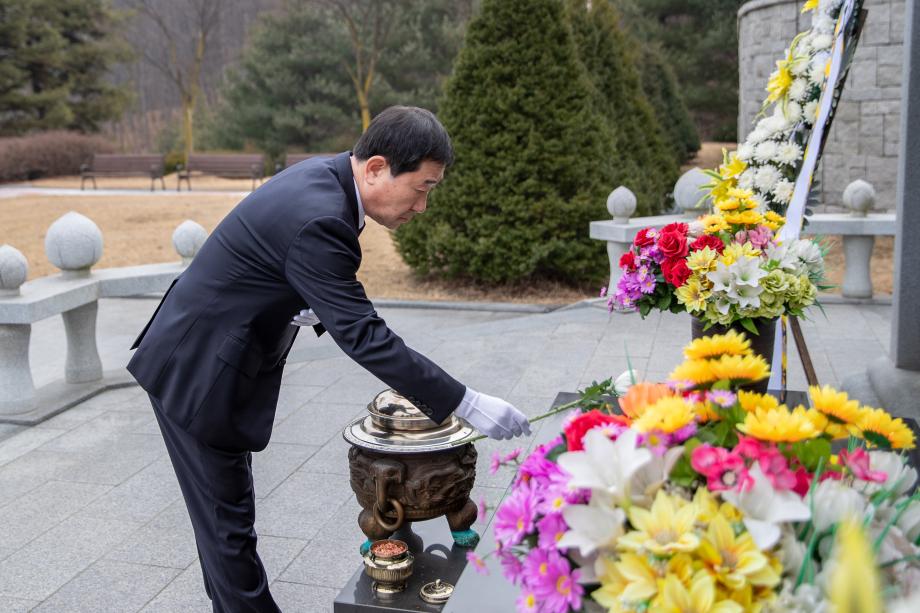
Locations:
(761, 343)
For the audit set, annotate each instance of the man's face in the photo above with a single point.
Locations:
(392, 201)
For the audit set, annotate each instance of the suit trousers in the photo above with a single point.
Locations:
(218, 491)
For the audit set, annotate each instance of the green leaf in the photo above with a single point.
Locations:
(644, 309)
(812, 452)
(556, 451)
(683, 473)
(665, 302)
(748, 325)
(877, 439)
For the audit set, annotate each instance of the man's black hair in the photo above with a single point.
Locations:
(406, 136)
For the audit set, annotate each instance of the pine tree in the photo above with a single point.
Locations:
(644, 161)
(56, 55)
(532, 155)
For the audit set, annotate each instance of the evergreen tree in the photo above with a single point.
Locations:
(664, 94)
(532, 155)
(644, 161)
(54, 59)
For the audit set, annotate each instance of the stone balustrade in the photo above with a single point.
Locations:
(73, 244)
(858, 229)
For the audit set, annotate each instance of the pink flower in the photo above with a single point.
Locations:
(483, 510)
(512, 568)
(802, 481)
(748, 447)
(551, 528)
(858, 463)
(776, 468)
(527, 602)
(478, 563)
(496, 463)
(723, 398)
(603, 291)
(514, 518)
(723, 469)
(681, 386)
(553, 581)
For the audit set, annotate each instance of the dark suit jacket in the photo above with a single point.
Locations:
(214, 350)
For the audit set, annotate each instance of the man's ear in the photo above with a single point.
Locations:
(375, 169)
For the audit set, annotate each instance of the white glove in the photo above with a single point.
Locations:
(492, 416)
(305, 318)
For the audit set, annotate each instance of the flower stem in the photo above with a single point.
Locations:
(550, 413)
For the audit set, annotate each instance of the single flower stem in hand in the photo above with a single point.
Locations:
(550, 413)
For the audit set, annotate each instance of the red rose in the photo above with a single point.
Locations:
(680, 228)
(576, 429)
(643, 239)
(672, 244)
(675, 271)
(628, 261)
(708, 240)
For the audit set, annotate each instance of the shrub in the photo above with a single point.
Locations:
(532, 155)
(48, 154)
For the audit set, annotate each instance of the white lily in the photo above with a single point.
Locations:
(901, 476)
(592, 526)
(651, 477)
(765, 508)
(747, 271)
(625, 381)
(834, 501)
(721, 278)
(747, 296)
(605, 465)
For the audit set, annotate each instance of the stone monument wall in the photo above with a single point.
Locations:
(863, 142)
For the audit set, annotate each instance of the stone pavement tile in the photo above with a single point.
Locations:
(841, 321)
(99, 432)
(879, 319)
(140, 497)
(185, 594)
(601, 367)
(167, 540)
(299, 597)
(492, 496)
(41, 509)
(849, 357)
(25, 441)
(276, 463)
(328, 563)
(278, 553)
(30, 471)
(16, 605)
(111, 464)
(332, 458)
(40, 568)
(316, 422)
(8, 430)
(300, 506)
(109, 586)
(495, 374)
(356, 387)
(342, 527)
(73, 417)
(292, 397)
(545, 379)
(319, 372)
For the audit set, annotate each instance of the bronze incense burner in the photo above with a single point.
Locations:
(406, 468)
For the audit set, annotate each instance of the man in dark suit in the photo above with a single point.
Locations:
(212, 355)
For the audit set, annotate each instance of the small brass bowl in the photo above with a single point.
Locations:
(389, 563)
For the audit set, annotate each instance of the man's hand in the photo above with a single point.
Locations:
(305, 318)
(492, 416)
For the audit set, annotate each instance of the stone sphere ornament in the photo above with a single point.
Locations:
(14, 268)
(859, 197)
(74, 244)
(621, 204)
(688, 192)
(188, 239)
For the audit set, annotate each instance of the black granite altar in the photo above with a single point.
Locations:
(436, 557)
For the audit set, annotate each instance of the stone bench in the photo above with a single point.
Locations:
(73, 244)
(857, 228)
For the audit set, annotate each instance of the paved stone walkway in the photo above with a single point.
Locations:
(91, 517)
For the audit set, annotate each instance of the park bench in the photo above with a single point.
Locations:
(294, 158)
(123, 165)
(229, 165)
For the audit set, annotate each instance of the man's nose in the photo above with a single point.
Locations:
(421, 205)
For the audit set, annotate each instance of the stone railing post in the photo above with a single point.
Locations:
(74, 244)
(859, 197)
(17, 390)
(621, 204)
(689, 196)
(188, 239)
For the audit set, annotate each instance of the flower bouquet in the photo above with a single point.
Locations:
(699, 496)
(725, 268)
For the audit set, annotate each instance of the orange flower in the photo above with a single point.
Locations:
(642, 395)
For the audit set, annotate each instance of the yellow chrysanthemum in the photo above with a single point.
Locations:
(749, 368)
(745, 218)
(713, 224)
(667, 415)
(730, 343)
(612, 584)
(665, 529)
(854, 584)
(734, 560)
(709, 507)
(780, 80)
(702, 260)
(810, 5)
(779, 425)
(737, 251)
(643, 575)
(696, 371)
(700, 598)
(731, 165)
(842, 412)
(693, 294)
(727, 204)
(775, 217)
(751, 401)
(878, 423)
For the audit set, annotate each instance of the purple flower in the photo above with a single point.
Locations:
(512, 569)
(483, 510)
(514, 518)
(656, 440)
(682, 434)
(478, 563)
(551, 528)
(647, 285)
(511, 457)
(527, 602)
(723, 398)
(603, 291)
(496, 463)
(553, 581)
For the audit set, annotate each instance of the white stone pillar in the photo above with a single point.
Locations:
(857, 277)
(621, 204)
(17, 390)
(83, 364)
